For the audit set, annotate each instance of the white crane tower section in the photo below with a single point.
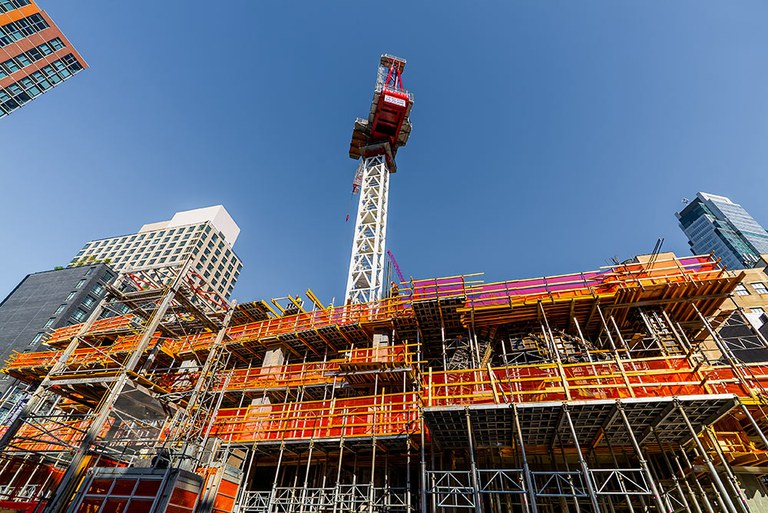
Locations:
(376, 140)
(366, 267)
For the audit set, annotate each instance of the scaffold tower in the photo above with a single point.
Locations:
(375, 140)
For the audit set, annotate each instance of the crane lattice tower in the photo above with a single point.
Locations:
(375, 141)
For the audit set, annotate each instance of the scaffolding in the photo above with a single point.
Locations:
(603, 391)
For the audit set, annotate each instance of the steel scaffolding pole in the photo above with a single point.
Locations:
(641, 458)
(729, 505)
(366, 266)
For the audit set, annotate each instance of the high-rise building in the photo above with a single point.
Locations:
(716, 224)
(47, 300)
(34, 54)
(206, 235)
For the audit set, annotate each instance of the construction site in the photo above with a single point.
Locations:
(621, 389)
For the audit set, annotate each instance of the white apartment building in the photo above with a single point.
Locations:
(205, 234)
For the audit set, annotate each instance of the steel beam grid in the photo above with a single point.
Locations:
(366, 267)
(493, 424)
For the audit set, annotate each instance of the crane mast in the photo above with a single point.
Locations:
(375, 141)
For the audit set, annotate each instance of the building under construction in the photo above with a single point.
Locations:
(635, 387)
(609, 390)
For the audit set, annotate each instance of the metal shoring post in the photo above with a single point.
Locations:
(672, 472)
(563, 499)
(273, 493)
(408, 504)
(354, 478)
(615, 352)
(530, 503)
(423, 456)
(654, 468)
(442, 340)
(295, 484)
(371, 496)
(306, 475)
(627, 497)
(582, 461)
(726, 499)
(246, 478)
(432, 480)
(473, 465)
(581, 337)
(386, 496)
(338, 475)
(641, 458)
(694, 496)
(472, 334)
(732, 481)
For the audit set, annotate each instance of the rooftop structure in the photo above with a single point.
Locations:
(34, 55)
(204, 235)
(604, 390)
(716, 224)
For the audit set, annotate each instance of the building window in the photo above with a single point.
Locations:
(59, 309)
(70, 296)
(37, 339)
(80, 284)
(49, 322)
(79, 315)
(759, 287)
(741, 290)
(88, 301)
(97, 289)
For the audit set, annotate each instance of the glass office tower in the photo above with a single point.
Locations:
(716, 224)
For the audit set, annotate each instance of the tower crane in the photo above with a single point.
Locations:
(375, 141)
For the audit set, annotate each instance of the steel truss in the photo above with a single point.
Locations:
(365, 281)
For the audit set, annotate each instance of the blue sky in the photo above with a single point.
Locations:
(548, 136)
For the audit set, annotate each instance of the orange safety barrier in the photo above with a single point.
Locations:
(381, 415)
(380, 354)
(66, 333)
(648, 377)
(105, 356)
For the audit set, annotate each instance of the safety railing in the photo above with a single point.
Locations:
(645, 377)
(381, 415)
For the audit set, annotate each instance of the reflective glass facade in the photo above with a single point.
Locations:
(34, 54)
(716, 224)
